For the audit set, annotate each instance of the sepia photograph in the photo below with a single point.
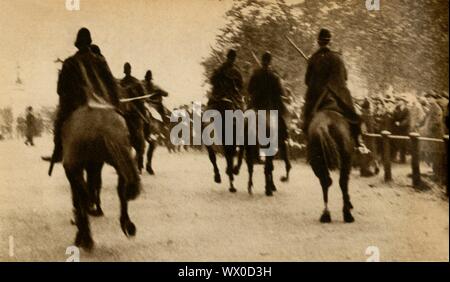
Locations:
(230, 131)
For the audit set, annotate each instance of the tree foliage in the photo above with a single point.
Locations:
(403, 45)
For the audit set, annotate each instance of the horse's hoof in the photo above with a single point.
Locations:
(284, 178)
(250, 186)
(269, 192)
(348, 217)
(150, 171)
(232, 190)
(84, 241)
(326, 217)
(217, 178)
(96, 212)
(129, 229)
(236, 170)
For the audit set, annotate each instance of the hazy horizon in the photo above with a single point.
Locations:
(168, 37)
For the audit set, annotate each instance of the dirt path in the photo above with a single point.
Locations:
(183, 215)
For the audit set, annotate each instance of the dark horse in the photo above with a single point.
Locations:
(330, 147)
(229, 151)
(91, 137)
(234, 150)
(157, 131)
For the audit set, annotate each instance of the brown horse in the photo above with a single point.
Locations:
(330, 147)
(229, 151)
(91, 137)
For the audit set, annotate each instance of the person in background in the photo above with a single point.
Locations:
(401, 125)
(417, 114)
(30, 130)
(434, 128)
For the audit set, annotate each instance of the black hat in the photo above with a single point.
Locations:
(324, 35)
(266, 57)
(148, 75)
(126, 67)
(83, 38)
(231, 55)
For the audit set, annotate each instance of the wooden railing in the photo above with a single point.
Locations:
(414, 140)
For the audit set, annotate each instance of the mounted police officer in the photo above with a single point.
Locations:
(326, 78)
(266, 92)
(84, 77)
(134, 113)
(227, 84)
(156, 100)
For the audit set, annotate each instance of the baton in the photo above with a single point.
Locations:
(296, 48)
(124, 100)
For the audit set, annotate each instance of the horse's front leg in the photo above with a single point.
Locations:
(150, 151)
(80, 201)
(213, 159)
(229, 156)
(140, 149)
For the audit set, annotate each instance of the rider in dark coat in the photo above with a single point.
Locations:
(227, 83)
(326, 78)
(84, 76)
(156, 100)
(134, 112)
(266, 93)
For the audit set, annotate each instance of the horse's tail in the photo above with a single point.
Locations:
(322, 146)
(126, 167)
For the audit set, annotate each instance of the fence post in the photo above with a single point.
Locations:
(445, 168)
(415, 158)
(386, 155)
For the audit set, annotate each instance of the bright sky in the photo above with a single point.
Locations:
(170, 37)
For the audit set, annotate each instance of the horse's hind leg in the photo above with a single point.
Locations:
(237, 167)
(268, 172)
(343, 183)
(321, 171)
(250, 160)
(126, 224)
(80, 200)
(213, 159)
(284, 155)
(94, 179)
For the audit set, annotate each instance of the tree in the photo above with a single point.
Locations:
(404, 45)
